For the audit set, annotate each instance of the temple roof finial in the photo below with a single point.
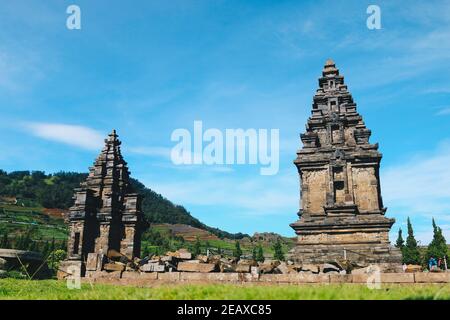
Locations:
(112, 136)
(330, 68)
(329, 62)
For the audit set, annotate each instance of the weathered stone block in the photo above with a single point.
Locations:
(104, 274)
(242, 268)
(248, 277)
(397, 277)
(114, 267)
(130, 275)
(427, 277)
(169, 276)
(92, 261)
(360, 277)
(311, 267)
(412, 268)
(152, 267)
(234, 277)
(70, 268)
(184, 254)
(341, 278)
(196, 267)
(193, 276)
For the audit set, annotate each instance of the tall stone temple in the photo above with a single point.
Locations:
(106, 213)
(342, 212)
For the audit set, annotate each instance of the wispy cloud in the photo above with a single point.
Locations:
(420, 187)
(443, 111)
(75, 135)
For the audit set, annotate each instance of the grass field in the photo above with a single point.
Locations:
(52, 290)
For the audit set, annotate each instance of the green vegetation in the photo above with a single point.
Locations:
(197, 248)
(278, 251)
(438, 246)
(411, 254)
(260, 254)
(237, 253)
(400, 243)
(51, 289)
(40, 190)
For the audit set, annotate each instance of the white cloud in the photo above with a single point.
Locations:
(443, 112)
(420, 188)
(79, 136)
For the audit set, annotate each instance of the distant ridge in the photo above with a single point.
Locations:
(36, 188)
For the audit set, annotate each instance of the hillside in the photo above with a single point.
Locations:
(36, 228)
(36, 189)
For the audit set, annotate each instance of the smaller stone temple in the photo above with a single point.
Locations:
(342, 216)
(106, 214)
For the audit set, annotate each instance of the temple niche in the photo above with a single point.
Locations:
(342, 212)
(106, 214)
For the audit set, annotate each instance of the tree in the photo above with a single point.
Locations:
(278, 251)
(411, 254)
(400, 243)
(237, 253)
(146, 252)
(254, 253)
(4, 243)
(52, 254)
(46, 249)
(438, 246)
(57, 256)
(64, 245)
(33, 246)
(260, 255)
(197, 247)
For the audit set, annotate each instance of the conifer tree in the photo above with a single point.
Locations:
(400, 243)
(260, 255)
(278, 251)
(237, 253)
(438, 246)
(255, 253)
(411, 254)
(197, 247)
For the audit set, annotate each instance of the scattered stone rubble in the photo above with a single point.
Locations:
(183, 261)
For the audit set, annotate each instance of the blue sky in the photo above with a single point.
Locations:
(150, 67)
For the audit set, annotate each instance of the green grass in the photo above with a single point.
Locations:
(17, 220)
(52, 289)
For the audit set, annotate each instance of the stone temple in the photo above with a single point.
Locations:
(106, 213)
(342, 215)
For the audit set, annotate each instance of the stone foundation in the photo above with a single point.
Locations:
(152, 279)
(384, 255)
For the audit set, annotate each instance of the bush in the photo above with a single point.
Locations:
(13, 274)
